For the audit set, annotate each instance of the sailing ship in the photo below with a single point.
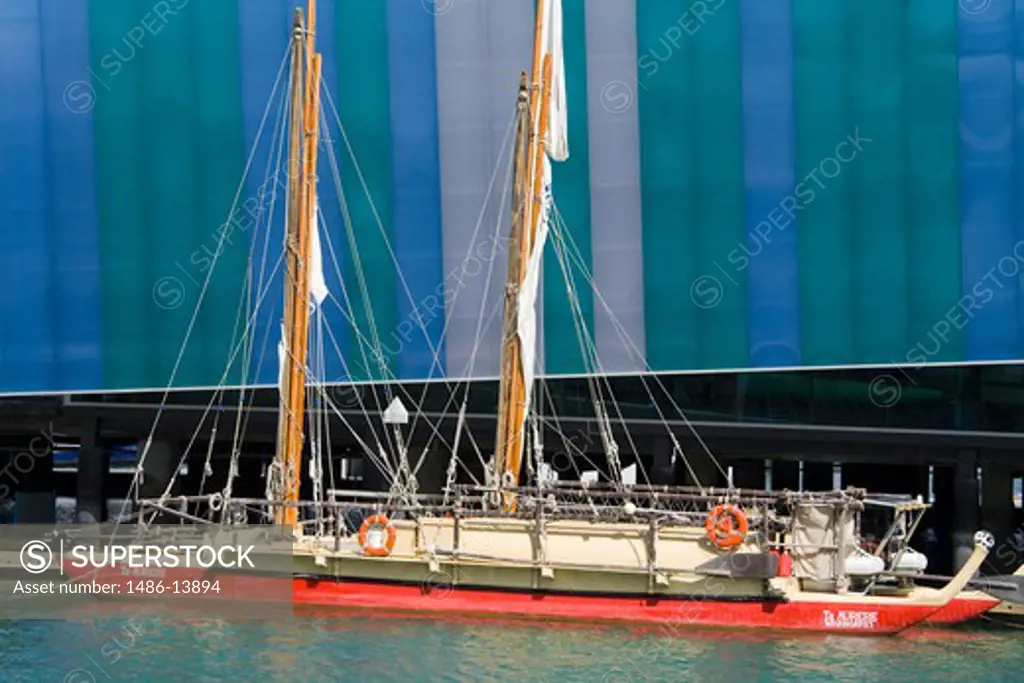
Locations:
(522, 543)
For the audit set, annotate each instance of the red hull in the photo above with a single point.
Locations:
(823, 616)
(861, 618)
(960, 610)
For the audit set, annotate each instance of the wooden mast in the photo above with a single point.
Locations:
(508, 445)
(520, 216)
(302, 217)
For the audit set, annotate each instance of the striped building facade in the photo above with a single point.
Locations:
(752, 184)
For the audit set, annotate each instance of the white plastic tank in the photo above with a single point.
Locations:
(911, 561)
(862, 563)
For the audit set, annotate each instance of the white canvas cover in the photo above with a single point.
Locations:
(816, 526)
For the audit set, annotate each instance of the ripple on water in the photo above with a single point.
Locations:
(313, 650)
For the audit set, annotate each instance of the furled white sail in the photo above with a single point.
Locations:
(556, 144)
(556, 141)
(317, 284)
(317, 291)
(527, 312)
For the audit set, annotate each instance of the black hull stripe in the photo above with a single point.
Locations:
(441, 585)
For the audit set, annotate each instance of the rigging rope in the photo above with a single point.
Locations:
(402, 476)
(434, 349)
(631, 347)
(134, 486)
(588, 351)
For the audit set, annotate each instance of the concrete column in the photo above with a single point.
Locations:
(997, 512)
(939, 518)
(91, 494)
(965, 505)
(31, 471)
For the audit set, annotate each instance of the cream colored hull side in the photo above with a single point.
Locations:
(576, 557)
(506, 553)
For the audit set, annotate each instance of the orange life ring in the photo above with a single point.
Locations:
(726, 526)
(377, 549)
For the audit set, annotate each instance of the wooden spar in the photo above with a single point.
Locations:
(512, 391)
(310, 36)
(306, 70)
(519, 218)
(292, 259)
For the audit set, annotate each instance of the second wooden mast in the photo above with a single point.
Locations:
(302, 220)
(527, 208)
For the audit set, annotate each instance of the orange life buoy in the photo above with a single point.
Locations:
(377, 548)
(726, 526)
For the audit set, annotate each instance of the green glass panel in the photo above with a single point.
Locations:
(219, 136)
(120, 131)
(171, 157)
(878, 251)
(363, 103)
(571, 186)
(931, 103)
(825, 227)
(879, 240)
(692, 189)
(168, 157)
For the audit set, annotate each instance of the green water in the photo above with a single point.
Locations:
(421, 650)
